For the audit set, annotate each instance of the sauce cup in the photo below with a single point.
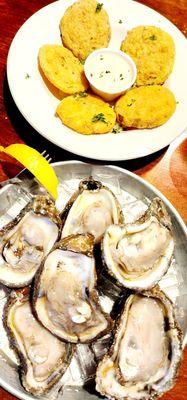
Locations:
(110, 72)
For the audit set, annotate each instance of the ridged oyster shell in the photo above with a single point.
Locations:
(137, 255)
(143, 360)
(65, 299)
(43, 358)
(91, 209)
(26, 240)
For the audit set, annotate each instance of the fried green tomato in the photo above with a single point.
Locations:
(153, 52)
(62, 69)
(85, 27)
(145, 107)
(86, 114)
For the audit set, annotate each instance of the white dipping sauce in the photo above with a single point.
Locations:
(109, 71)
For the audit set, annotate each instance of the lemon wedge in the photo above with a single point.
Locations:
(36, 164)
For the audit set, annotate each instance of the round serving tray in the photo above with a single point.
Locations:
(174, 283)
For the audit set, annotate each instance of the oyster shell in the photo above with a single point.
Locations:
(146, 352)
(43, 358)
(26, 240)
(91, 210)
(65, 300)
(138, 255)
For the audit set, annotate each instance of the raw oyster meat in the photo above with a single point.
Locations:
(146, 352)
(137, 255)
(43, 358)
(26, 240)
(65, 299)
(91, 210)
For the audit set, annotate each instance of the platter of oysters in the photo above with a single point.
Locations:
(93, 287)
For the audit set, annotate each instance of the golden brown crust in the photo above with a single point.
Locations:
(86, 114)
(145, 107)
(85, 28)
(62, 69)
(153, 52)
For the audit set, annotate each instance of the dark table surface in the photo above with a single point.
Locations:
(167, 169)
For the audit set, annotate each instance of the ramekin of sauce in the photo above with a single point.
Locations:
(110, 72)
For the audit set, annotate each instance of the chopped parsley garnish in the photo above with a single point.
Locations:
(130, 104)
(121, 77)
(27, 76)
(120, 21)
(107, 72)
(101, 58)
(80, 94)
(117, 129)
(177, 102)
(153, 37)
(99, 117)
(91, 75)
(98, 7)
(82, 61)
(101, 75)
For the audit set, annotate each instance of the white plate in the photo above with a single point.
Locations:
(38, 105)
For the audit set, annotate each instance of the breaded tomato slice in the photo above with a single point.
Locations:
(85, 27)
(153, 52)
(62, 68)
(145, 107)
(86, 113)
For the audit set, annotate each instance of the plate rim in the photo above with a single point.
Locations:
(78, 152)
(25, 396)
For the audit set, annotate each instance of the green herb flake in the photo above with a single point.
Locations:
(82, 62)
(177, 102)
(153, 37)
(101, 75)
(98, 7)
(91, 75)
(80, 94)
(121, 77)
(120, 21)
(27, 76)
(107, 72)
(83, 94)
(99, 117)
(101, 58)
(130, 104)
(117, 129)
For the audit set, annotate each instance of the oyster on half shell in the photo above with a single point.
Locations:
(65, 299)
(146, 352)
(26, 240)
(43, 358)
(137, 255)
(91, 210)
